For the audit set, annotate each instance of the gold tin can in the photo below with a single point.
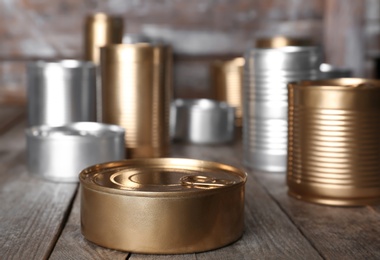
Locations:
(162, 206)
(227, 84)
(281, 41)
(100, 30)
(136, 96)
(333, 141)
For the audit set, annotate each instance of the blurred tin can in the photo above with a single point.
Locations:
(281, 41)
(101, 29)
(329, 71)
(333, 141)
(268, 70)
(60, 153)
(61, 92)
(136, 95)
(227, 84)
(192, 205)
(202, 121)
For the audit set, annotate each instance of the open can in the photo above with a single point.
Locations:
(162, 205)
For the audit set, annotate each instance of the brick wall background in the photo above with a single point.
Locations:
(199, 31)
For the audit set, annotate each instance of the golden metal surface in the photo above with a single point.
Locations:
(136, 96)
(281, 41)
(334, 140)
(227, 84)
(101, 30)
(162, 206)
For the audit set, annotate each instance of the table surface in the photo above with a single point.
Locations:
(40, 220)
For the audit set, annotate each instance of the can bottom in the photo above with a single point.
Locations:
(266, 162)
(335, 202)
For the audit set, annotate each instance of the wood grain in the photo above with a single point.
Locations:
(32, 211)
(40, 220)
(79, 248)
(336, 232)
(269, 234)
(267, 226)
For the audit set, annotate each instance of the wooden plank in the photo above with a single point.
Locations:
(72, 245)
(32, 211)
(269, 234)
(336, 232)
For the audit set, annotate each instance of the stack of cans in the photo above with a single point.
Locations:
(334, 141)
(267, 73)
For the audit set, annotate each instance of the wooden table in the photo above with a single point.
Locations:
(40, 220)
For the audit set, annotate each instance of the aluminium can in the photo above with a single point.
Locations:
(202, 121)
(136, 94)
(227, 84)
(61, 92)
(101, 29)
(60, 153)
(162, 205)
(267, 72)
(333, 141)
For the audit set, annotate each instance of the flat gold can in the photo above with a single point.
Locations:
(162, 205)
(333, 141)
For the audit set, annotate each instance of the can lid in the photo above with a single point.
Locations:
(161, 177)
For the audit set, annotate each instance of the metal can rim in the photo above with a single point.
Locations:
(87, 175)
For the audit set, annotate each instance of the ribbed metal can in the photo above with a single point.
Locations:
(333, 141)
(227, 84)
(136, 95)
(61, 92)
(266, 75)
(162, 205)
(101, 29)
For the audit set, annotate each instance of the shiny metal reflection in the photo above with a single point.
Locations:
(61, 92)
(202, 121)
(179, 199)
(333, 152)
(136, 94)
(266, 74)
(227, 84)
(60, 153)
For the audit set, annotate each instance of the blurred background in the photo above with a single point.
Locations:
(200, 31)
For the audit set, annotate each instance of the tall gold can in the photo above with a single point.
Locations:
(334, 141)
(135, 95)
(100, 30)
(227, 84)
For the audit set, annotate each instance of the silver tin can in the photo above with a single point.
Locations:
(61, 92)
(60, 153)
(329, 71)
(265, 101)
(202, 121)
